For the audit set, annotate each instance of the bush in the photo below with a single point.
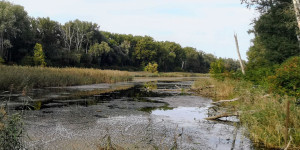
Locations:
(286, 80)
(39, 56)
(260, 75)
(151, 68)
(217, 69)
(27, 61)
(11, 131)
(1, 61)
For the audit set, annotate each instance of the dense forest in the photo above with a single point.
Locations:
(274, 57)
(82, 44)
(275, 39)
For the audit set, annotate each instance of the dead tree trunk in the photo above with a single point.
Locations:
(297, 14)
(238, 51)
(222, 115)
(297, 11)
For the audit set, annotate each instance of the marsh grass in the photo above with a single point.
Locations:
(37, 77)
(213, 89)
(263, 114)
(168, 74)
(11, 131)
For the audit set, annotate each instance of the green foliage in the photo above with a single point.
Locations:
(145, 50)
(151, 67)
(287, 78)
(1, 61)
(81, 44)
(259, 75)
(11, 131)
(14, 27)
(27, 61)
(39, 56)
(99, 49)
(86, 60)
(275, 35)
(217, 69)
(275, 42)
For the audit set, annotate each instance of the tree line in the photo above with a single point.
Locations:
(81, 44)
(274, 57)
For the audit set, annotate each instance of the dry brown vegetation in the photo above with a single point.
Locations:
(168, 74)
(36, 77)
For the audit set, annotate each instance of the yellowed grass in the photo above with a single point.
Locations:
(264, 114)
(212, 88)
(167, 74)
(21, 76)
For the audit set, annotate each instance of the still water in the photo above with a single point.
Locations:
(136, 115)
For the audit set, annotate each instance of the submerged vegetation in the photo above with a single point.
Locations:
(263, 114)
(36, 77)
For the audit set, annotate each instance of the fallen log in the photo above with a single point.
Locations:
(223, 101)
(222, 115)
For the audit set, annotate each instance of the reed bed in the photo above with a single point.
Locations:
(168, 74)
(263, 113)
(37, 77)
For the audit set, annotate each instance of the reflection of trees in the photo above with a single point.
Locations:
(149, 86)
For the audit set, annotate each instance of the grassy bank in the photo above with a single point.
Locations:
(36, 77)
(263, 114)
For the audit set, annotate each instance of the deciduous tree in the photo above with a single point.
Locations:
(39, 56)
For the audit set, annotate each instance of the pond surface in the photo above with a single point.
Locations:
(136, 115)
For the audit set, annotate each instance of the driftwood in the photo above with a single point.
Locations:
(288, 145)
(223, 101)
(222, 115)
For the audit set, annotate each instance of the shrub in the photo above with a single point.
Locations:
(287, 78)
(39, 56)
(151, 68)
(217, 69)
(27, 61)
(260, 75)
(1, 60)
(11, 131)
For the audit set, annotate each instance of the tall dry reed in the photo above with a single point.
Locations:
(36, 77)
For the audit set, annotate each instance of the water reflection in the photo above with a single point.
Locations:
(185, 116)
(149, 86)
(160, 110)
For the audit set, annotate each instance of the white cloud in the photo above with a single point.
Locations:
(207, 25)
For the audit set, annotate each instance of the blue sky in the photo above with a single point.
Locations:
(207, 25)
